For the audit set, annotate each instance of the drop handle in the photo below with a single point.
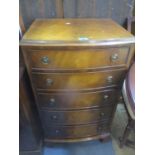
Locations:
(52, 102)
(57, 131)
(102, 114)
(99, 129)
(49, 82)
(114, 57)
(110, 79)
(45, 60)
(54, 117)
(106, 97)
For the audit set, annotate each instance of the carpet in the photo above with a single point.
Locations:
(82, 148)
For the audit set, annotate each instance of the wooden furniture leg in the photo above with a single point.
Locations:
(129, 128)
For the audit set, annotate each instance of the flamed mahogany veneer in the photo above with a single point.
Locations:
(76, 67)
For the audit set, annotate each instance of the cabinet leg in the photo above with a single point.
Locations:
(104, 138)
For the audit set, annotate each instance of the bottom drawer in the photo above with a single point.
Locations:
(71, 132)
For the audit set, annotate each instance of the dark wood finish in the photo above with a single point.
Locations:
(70, 63)
(76, 117)
(75, 100)
(72, 132)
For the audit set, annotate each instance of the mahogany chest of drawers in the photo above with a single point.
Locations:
(76, 67)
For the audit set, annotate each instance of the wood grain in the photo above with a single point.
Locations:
(70, 132)
(78, 81)
(72, 60)
(75, 30)
(72, 100)
(75, 117)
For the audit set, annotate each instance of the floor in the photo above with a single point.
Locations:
(118, 126)
(94, 147)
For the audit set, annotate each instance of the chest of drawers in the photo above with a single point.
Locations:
(76, 67)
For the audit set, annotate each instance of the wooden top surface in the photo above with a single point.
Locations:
(75, 31)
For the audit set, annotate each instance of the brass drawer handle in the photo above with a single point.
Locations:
(49, 82)
(99, 128)
(110, 79)
(102, 114)
(57, 131)
(106, 97)
(114, 57)
(52, 102)
(45, 60)
(54, 117)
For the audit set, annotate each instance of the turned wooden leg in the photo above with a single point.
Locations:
(127, 131)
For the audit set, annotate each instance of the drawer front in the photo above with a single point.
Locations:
(77, 59)
(81, 131)
(75, 100)
(55, 81)
(75, 117)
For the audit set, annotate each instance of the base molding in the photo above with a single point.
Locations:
(101, 137)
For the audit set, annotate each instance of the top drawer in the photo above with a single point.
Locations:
(77, 59)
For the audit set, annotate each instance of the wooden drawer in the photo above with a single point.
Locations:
(65, 81)
(75, 100)
(80, 131)
(75, 116)
(55, 59)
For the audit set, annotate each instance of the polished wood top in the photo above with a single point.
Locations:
(75, 31)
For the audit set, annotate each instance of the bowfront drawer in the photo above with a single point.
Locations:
(75, 116)
(77, 59)
(65, 81)
(80, 131)
(75, 100)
